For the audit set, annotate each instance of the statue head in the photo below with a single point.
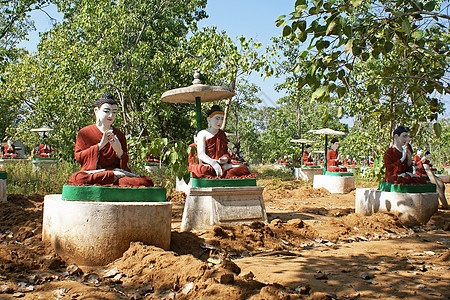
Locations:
(106, 110)
(401, 136)
(419, 151)
(334, 144)
(427, 155)
(214, 116)
(308, 148)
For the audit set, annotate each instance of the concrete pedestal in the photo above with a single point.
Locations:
(89, 233)
(5, 162)
(444, 177)
(307, 174)
(182, 186)
(334, 184)
(411, 208)
(3, 197)
(44, 164)
(353, 170)
(206, 207)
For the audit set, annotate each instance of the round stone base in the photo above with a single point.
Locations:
(411, 208)
(89, 233)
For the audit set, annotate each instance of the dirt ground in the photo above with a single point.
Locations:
(314, 247)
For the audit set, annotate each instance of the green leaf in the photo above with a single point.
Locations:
(330, 28)
(437, 129)
(286, 30)
(388, 46)
(301, 5)
(319, 92)
(372, 88)
(340, 112)
(348, 47)
(356, 3)
(406, 26)
(173, 157)
(414, 129)
(418, 34)
(429, 6)
(325, 118)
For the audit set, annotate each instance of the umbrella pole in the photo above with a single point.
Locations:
(301, 154)
(325, 156)
(198, 113)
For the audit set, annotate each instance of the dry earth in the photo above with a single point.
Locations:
(314, 247)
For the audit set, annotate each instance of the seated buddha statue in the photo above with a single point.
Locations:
(426, 159)
(418, 156)
(334, 159)
(9, 151)
(213, 159)
(396, 160)
(44, 150)
(101, 149)
(307, 158)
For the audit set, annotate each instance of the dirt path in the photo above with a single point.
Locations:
(314, 247)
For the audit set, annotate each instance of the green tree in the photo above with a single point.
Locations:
(406, 41)
(127, 47)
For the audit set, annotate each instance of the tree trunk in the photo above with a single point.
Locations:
(227, 105)
(299, 121)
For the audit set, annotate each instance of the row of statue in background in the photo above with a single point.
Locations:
(335, 163)
(10, 150)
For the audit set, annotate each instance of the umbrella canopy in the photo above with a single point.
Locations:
(302, 141)
(197, 93)
(41, 129)
(326, 131)
(206, 93)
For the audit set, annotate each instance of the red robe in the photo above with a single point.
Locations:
(307, 160)
(216, 147)
(91, 158)
(333, 163)
(416, 159)
(420, 169)
(44, 150)
(10, 151)
(394, 167)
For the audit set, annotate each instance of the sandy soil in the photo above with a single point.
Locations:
(314, 247)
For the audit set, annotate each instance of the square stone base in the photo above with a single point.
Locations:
(307, 174)
(44, 164)
(334, 184)
(411, 208)
(206, 207)
(3, 197)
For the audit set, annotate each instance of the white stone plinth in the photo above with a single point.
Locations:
(334, 184)
(44, 164)
(4, 163)
(443, 177)
(182, 186)
(307, 174)
(411, 208)
(3, 197)
(206, 207)
(89, 233)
